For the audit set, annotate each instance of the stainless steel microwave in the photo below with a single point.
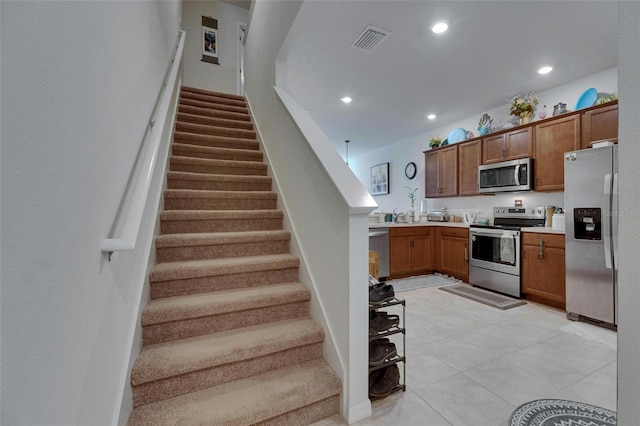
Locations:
(515, 175)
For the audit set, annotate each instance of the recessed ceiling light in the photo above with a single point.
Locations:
(431, 116)
(439, 27)
(346, 99)
(545, 70)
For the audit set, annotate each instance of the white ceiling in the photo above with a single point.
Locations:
(491, 52)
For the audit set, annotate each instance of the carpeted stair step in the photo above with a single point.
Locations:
(187, 150)
(218, 167)
(179, 247)
(189, 199)
(214, 121)
(188, 221)
(216, 113)
(203, 181)
(212, 97)
(161, 370)
(191, 89)
(202, 276)
(298, 395)
(213, 105)
(178, 317)
(215, 141)
(215, 130)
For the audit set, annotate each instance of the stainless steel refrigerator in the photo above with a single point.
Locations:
(591, 234)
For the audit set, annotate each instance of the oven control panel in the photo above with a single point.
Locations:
(520, 212)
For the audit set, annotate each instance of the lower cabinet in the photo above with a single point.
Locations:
(452, 251)
(410, 251)
(543, 268)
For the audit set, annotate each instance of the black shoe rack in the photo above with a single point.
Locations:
(391, 305)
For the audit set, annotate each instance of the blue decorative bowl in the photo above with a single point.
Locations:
(457, 135)
(587, 99)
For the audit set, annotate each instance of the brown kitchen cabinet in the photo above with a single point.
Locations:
(543, 268)
(552, 139)
(441, 172)
(507, 146)
(411, 251)
(469, 158)
(600, 123)
(452, 251)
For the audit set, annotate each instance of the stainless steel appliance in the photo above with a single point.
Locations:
(494, 261)
(379, 241)
(514, 175)
(591, 233)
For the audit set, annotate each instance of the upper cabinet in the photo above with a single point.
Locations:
(599, 123)
(441, 175)
(453, 170)
(554, 138)
(469, 157)
(507, 146)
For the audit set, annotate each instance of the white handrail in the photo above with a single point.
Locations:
(126, 241)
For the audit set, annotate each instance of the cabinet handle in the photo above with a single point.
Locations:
(540, 248)
(466, 254)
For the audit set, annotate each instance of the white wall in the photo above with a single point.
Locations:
(411, 149)
(629, 270)
(330, 242)
(79, 81)
(204, 75)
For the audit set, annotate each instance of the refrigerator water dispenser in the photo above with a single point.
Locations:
(587, 224)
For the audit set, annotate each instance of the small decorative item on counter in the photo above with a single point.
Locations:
(605, 97)
(484, 126)
(412, 195)
(543, 113)
(434, 141)
(470, 134)
(456, 219)
(517, 203)
(559, 108)
(523, 107)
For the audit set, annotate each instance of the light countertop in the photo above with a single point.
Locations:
(405, 225)
(537, 229)
(543, 230)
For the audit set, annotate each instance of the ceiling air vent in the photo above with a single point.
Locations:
(370, 38)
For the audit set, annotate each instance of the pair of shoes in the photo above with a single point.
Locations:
(382, 321)
(381, 293)
(383, 381)
(381, 351)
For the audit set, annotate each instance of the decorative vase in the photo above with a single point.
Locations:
(526, 119)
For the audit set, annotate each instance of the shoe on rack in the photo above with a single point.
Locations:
(381, 294)
(382, 321)
(384, 382)
(381, 351)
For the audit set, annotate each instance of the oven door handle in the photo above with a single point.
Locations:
(493, 234)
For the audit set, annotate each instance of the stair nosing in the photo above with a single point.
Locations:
(199, 352)
(194, 306)
(190, 269)
(194, 239)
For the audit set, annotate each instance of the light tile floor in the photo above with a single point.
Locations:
(469, 364)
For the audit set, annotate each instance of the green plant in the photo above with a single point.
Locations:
(412, 195)
(434, 141)
(522, 106)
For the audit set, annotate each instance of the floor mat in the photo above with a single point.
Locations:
(483, 296)
(558, 412)
(412, 283)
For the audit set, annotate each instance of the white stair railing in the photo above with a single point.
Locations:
(143, 168)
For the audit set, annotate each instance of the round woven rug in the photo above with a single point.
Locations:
(558, 412)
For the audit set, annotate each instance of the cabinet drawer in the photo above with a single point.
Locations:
(454, 232)
(549, 240)
(409, 231)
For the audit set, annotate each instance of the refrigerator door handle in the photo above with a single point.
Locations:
(614, 220)
(606, 223)
(516, 175)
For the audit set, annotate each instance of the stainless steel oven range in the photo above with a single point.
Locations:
(494, 261)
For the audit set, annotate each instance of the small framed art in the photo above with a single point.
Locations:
(380, 179)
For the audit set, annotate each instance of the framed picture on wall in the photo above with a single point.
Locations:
(380, 179)
(210, 40)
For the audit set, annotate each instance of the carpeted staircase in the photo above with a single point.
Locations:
(227, 335)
